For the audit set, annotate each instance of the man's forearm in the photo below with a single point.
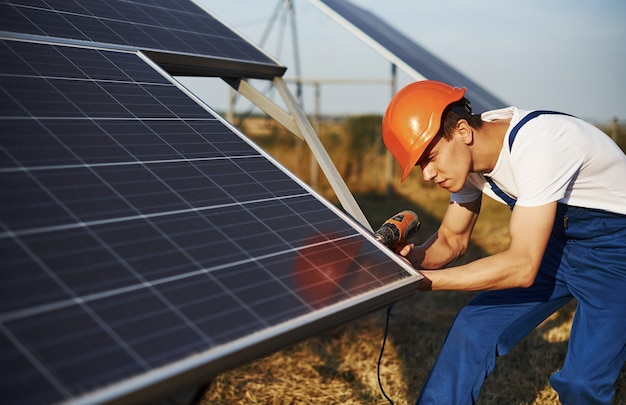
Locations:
(496, 272)
(435, 253)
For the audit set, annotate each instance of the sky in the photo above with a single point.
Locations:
(566, 55)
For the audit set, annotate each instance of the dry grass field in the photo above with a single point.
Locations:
(339, 366)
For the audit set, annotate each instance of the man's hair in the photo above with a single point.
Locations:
(459, 110)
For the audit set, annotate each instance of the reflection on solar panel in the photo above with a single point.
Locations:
(177, 34)
(404, 52)
(145, 244)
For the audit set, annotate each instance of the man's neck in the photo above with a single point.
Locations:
(488, 144)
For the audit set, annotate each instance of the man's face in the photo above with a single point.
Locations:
(446, 162)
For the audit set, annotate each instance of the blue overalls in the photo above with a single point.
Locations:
(585, 259)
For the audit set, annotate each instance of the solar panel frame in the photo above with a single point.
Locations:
(133, 237)
(404, 51)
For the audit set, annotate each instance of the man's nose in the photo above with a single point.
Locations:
(427, 172)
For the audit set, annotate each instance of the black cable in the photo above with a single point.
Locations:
(382, 350)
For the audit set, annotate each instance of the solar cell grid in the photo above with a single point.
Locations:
(139, 232)
(173, 27)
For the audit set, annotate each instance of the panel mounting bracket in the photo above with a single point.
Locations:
(297, 122)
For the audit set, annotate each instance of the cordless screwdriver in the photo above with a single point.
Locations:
(395, 231)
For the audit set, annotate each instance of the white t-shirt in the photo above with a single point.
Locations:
(554, 157)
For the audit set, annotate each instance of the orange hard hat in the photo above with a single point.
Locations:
(413, 118)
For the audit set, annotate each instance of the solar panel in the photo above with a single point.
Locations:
(183, 38)
(405, 52)
(147, 245)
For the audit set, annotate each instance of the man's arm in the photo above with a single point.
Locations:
(529, 229)
(451, 239)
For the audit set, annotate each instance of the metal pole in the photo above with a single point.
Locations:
(314, 167)
(296, 50)
(340, 188)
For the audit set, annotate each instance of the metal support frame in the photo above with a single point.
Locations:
(265, 104)
(297, 122)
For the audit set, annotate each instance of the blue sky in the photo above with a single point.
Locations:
(554, 54)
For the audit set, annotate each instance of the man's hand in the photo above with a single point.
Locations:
(413, 256)
(449, 242)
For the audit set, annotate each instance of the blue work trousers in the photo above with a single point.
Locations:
(585, 259)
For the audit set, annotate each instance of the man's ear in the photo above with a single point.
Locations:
(465, 131)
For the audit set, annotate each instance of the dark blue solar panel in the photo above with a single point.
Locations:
(146, 245)
(414, 55)
(170, 30)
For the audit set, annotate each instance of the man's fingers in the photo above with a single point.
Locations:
(404, 252)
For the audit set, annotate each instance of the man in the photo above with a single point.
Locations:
(565, 182)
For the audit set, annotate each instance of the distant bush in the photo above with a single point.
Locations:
(363, 132)
(615, 131)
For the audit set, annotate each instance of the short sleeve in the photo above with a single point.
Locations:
(545, 163)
